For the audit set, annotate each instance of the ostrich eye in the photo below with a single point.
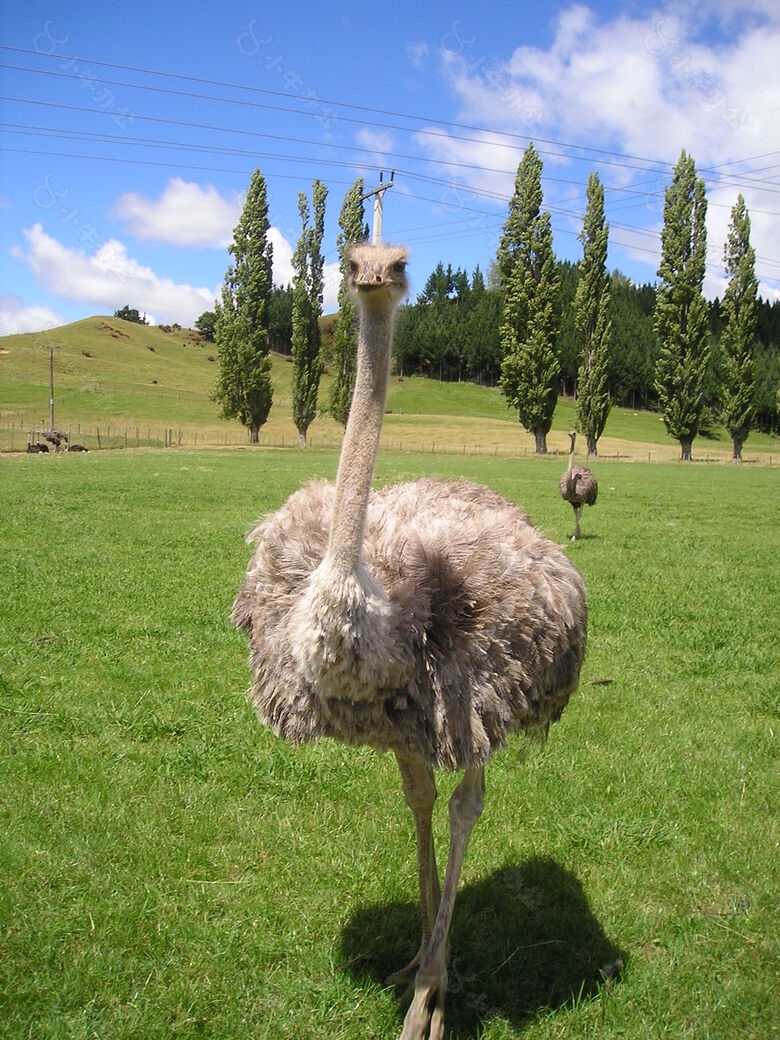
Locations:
(353, 266)
(399, 267)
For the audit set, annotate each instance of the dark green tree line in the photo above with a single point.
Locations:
(451, 331)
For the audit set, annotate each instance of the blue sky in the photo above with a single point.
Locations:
(128, 140)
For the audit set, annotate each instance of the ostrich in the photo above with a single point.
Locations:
(578, 486)
(54, 436)
(429, 618)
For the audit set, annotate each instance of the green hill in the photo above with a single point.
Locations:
(132, 384)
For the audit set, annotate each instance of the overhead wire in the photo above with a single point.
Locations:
(612, 157)
(745, 179)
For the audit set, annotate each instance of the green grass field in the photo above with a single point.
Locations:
(120, 384)
(169, 869)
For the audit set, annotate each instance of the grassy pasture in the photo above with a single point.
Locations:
(132, 383)
(169, 869)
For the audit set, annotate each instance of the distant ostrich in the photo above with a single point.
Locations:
(429, 618)
(578, 486)
(55, 437)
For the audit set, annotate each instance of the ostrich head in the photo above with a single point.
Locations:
(377, 274)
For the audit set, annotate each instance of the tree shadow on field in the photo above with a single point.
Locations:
(522, 940)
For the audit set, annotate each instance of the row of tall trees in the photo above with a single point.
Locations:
(253, 316)
(530, 367)
(536, 328)
(450, 339)
(682, 317)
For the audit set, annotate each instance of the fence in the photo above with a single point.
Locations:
(16, 435)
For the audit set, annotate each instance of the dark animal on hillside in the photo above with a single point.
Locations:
(430, 619)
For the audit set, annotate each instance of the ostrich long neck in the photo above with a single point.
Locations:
(570, 484)
(361, 438)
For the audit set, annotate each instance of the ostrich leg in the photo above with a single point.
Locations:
(577, 514)
(420, 794)
(425, 1018)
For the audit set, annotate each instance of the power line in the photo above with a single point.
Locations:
(746, 179)
(389, 156)
(319, 161)
(325, 101)
(615, 158)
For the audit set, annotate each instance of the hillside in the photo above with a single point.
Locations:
(139, 384)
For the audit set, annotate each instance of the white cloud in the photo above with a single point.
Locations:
(282, 259)
(283, 270)
(639, 86)
(186, 214)
(378, 142)
(16, 317)
(332, 280)
(110, 278)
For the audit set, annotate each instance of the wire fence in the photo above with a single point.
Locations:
(17, 436)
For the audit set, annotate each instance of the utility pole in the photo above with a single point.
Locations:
(51, 347)
(378, 194)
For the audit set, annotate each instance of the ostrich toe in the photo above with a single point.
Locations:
(406, 974)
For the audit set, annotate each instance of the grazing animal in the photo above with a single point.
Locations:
(578, 486)
(429, 618)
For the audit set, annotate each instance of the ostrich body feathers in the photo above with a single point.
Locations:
(578, 486)
(461, 624)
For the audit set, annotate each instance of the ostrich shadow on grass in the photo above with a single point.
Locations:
(522, 940)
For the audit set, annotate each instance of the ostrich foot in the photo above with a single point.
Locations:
(425, 1017)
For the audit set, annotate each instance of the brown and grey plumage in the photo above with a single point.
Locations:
(577, 486)
(429, 618)
(53, 436)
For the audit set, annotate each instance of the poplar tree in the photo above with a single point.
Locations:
(243, 387)
(352, 229)
(739, 333)
(529, 325)
(681, 316)
(308, 264)
(592, 320)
